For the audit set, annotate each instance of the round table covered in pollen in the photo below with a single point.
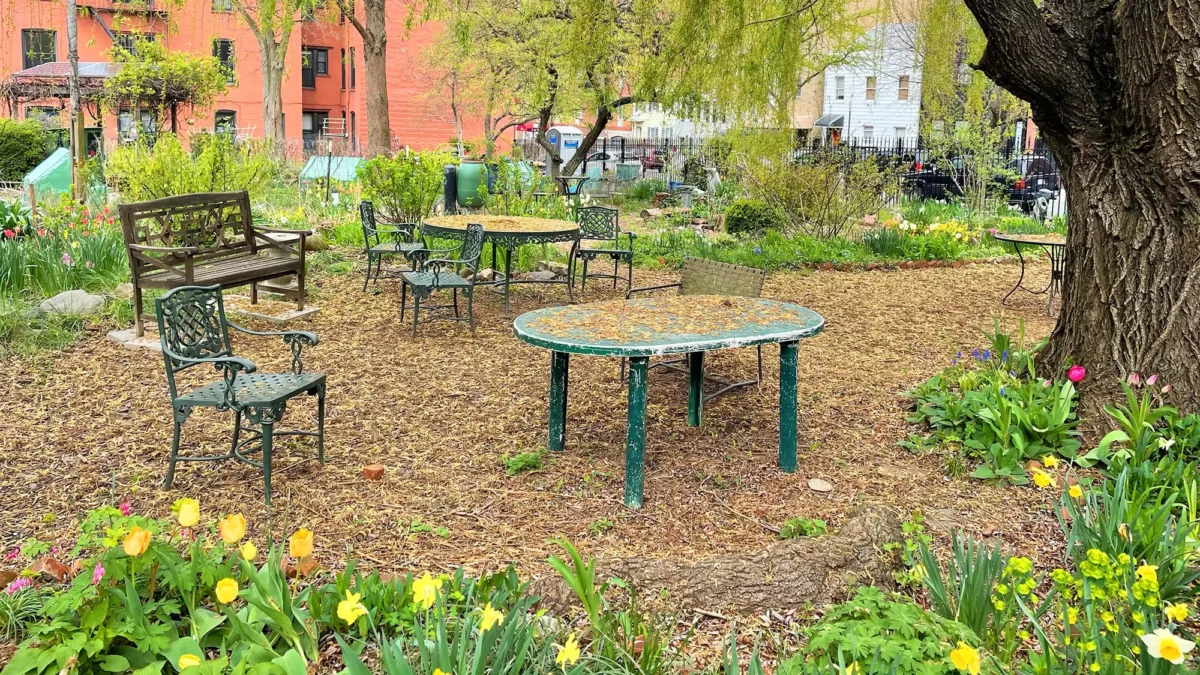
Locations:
(686, 324)
(1055, 246)
(508, 233)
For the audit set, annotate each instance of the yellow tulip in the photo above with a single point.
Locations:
(965, 658)
(188, 660)
(227, 591)
(350, 609)
(301, 543)
(568, 654)
(189, 512)
(136, 542)
(232, 528)
(249, 552)
(491, 617)
(1050, 461)
(425, 590)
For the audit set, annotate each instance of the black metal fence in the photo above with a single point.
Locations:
(1028, 180)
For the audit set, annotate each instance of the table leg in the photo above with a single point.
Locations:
(787, 406)
(695, 363)
(559, 362)
(1020, 279)
(507, 277)
(635, 438)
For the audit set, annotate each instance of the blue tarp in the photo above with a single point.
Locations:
(343, 169)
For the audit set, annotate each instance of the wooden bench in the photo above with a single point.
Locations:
(206, 240)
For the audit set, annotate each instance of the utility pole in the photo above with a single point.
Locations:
(78, 152)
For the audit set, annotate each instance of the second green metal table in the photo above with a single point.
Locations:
(645, 327)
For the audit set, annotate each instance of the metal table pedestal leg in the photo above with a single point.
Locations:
(695, 362)
(559, 362)
(635, 435)
(787, 406)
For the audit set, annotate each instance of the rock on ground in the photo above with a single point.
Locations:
(75, 303)
(787, 575)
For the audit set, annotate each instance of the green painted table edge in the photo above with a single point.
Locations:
(524, 333)
(432, 230)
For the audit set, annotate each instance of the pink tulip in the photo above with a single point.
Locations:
(97, 574)
(1166, 389)
(1135, 380)
(126, 509)
(1076, 373)
(1151, 380)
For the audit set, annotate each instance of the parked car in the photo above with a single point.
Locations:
(607, 159)
(1026, 178)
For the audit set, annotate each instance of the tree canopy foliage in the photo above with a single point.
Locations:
(157, 79)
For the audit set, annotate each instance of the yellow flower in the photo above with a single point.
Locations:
(189, 512)
(1176, 613)
(1043, 479)
(1148, 572)
(1075, 491)
(491, 617)
(350, 609)
(188, 660)
(227, 591)
(1123, 530)
(301, 543)
(852, 669)
(136, 542)
(425, 590)
(1161, 644)
(568, 654)
(965, 658)
(1050, 461)
(232, 528)
(249, 551)
(439, 671)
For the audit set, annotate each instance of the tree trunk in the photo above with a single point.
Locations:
(272, 78)
(1114, 90)
(379, 127)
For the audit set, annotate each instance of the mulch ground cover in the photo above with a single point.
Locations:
(91, 425)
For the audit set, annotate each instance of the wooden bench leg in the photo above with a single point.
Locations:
(138, 328)
(254, 294)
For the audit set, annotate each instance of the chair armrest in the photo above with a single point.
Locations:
(183, 250)
(645, 289)
(295, 339)
(228, 365)
(631, 235)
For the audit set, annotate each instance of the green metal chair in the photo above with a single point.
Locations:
(602, 224)
(434, 274)
(403, 242)
(193, 331)
(709, 277)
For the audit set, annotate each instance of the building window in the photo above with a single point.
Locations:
(900, 132)
(353, 69)
(868, 133)
(321, 57)
(222, 6)
(128, 131)
(353, 131)
(222, 51)
(225, 122)
(129, 41)
(902, 92)
(342, 61)
(308, 78)
(870, 88)
(38, 47)
(839, 88)
(47, 115)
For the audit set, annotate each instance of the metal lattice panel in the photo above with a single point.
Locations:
(194, 323)
(597, 222)
(709, 277)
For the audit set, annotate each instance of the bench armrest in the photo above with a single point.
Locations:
(182, 250)
(281, 230)
(295, 339)
(645, 289)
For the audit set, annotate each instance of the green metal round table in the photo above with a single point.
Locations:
(508, 233)
(686, 324)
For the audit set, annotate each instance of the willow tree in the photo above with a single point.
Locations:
(1115, 91)
(272, 22)
(372, 28)
(162, 82)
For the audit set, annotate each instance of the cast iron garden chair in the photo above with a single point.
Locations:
(193, 331)
(443, 273)
(709, 277)
(400, 241)
(601, 224)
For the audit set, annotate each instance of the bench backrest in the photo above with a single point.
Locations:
(217, 223)
(709, 277)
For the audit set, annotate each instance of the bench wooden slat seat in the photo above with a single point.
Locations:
(208, 239)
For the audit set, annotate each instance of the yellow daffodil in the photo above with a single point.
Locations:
(965, 658)
(189, 512)
(425, 590)
(1161, 644)
(852, 669)
(1043, 479)
(439, 671)
(1175, 612)
(249, 551)
(188, 660)
(568, 654)
(227, 591)
(350, 609)
(301, 543)
(232, 528)
(1075, 491)
(1148, 572)
(1050, 461)
(136, 542)
(491, 617)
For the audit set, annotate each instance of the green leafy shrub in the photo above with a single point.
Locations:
(802, 527)
(404, 187)
(520, 190)
(167, 169)
(524, 461)
(646, 188)
(749, 216)
(22, 148)
(14, 220)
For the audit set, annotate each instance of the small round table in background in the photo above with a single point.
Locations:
(508, 233)
(1055, 246)
(683, 324)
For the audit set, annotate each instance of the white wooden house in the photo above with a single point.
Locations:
(875, 99)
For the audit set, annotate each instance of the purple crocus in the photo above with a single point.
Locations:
(97, 574)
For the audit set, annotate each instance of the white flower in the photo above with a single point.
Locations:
(1166, 443)
(1161, 644)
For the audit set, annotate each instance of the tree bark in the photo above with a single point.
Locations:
(379, 128)
(272, 78)
(1115, 90)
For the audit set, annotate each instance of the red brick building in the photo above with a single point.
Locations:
(326, 77)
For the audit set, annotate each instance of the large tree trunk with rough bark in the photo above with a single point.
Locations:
(1115, 90)
(272, 78)
(379, 127)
